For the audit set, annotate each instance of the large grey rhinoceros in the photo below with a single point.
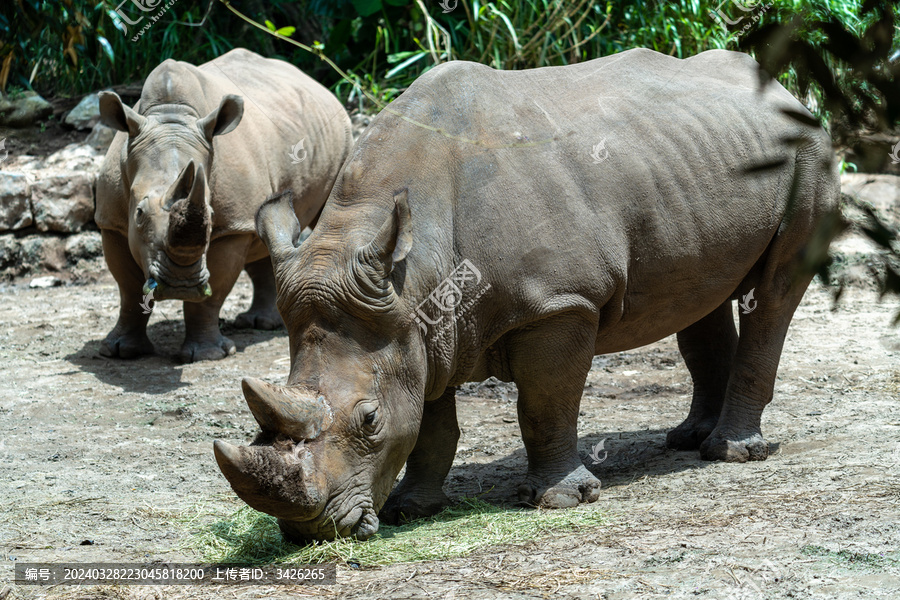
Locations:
(176, 197)
(515, 224)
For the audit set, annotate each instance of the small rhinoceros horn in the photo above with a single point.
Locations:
(291, 411)
(190, 219)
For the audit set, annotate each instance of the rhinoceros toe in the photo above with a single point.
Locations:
(576, 487)
(126, 345)
(193, 351)
(719, 447)
(265, 320)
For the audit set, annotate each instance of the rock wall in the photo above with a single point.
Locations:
(47, 209)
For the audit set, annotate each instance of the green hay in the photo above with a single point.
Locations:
(860, 560)
(251, 537)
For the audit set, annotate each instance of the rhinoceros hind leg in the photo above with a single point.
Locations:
(420, 493)
(262, 313)
(549, 364)
(128, 339)
(708, 348)
(778, 291)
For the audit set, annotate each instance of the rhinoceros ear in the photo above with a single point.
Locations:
(394, 240)
(277, 226)
(224, 119)
(113, 113)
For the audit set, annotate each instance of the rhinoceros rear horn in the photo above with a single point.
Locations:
(291, 411)
(190, 219)
(224, 118)
(113, 113)
(277, 226)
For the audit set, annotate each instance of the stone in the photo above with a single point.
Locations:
(84, 246)
(101, 137)
(44, 282)
(75, 157)
(86, 114)
(24, 111)
(43, 252)
(15, 208)
(10, 254)
(878, 190)
(63, 202)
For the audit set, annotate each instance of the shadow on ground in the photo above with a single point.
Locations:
(630, 455)
(159, 373)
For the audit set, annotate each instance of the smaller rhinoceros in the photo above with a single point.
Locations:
(176, 197)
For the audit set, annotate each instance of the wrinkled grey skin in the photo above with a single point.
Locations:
(577, 258)
(181, 184)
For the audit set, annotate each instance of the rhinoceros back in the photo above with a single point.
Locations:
(604, 182)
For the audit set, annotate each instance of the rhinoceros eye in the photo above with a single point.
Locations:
(370, 418)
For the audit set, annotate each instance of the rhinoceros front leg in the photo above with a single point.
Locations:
(262, 314)
(420, 493)
(128, 339)
(737, 436)
(708, 348)
(550, 362)
(203, 340)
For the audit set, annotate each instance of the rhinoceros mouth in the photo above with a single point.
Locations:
(360, 522)
(170, 281)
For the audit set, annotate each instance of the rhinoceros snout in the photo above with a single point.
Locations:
(162, 291)
(268, 480)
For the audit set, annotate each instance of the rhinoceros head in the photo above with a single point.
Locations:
(170, 218)
(335, 437)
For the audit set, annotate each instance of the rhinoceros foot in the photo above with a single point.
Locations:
(551, 492)
(691, 433)
(718, 447)
(126, 345)
(259, 319)
(195, 351)
(407, 504)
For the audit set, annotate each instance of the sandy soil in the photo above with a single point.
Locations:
(98, 459)
(101, 460)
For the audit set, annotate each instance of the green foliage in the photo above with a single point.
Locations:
(73, 46)
(848, 63)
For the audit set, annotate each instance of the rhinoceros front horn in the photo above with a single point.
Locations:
(291, 411)
(190, 219)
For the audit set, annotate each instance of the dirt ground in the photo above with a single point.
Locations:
(101, 460)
